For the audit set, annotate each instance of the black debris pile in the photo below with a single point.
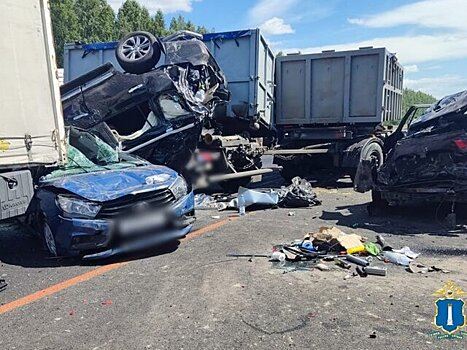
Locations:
(298, 194)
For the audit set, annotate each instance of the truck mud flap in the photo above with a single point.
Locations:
(363, 181)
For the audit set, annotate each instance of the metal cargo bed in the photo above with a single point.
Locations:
(360, 86)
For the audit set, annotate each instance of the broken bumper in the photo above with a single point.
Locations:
(78, 236)
(432, 193)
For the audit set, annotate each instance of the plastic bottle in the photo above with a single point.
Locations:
(241, 205)
(277, 256)
(397, 258)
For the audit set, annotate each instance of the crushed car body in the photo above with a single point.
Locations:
(428, 162)
(158, 114)
(103, 203)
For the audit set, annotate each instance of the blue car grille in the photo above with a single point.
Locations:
(132, 203)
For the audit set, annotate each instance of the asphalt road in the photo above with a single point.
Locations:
(192, 296)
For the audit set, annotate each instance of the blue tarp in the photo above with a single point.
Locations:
(206, 37)
(100, 46)
(227, 35)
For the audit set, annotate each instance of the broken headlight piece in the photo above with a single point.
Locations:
(77, 208)
(179, 188)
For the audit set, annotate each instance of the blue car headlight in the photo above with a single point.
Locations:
(179, 188)
(77, 208)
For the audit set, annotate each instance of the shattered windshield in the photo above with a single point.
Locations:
(87, 153)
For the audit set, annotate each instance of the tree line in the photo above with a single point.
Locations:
(95, 21)
(411, 97)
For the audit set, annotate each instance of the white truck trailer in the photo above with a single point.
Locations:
(32, 133)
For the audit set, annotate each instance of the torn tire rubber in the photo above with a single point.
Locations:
(138, 52)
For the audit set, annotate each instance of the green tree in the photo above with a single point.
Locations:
(133, 17)
(179, 23)
(159, 24)
(97, 20)
(202, 30)
(65, 26)
(411, 97)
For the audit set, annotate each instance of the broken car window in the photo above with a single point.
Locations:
(93, 148)
(171, 106)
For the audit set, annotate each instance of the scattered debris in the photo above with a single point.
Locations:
(357, 260)
(204, 201)
(298, 194)
(291, 213)
(374, 270)
(396, 258)
(278, 256)
(407, 252)
(416, 267)
(343, 264)
(322, 267)
(372, 248)
(3, 285)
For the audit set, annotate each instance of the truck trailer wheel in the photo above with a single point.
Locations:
(138, 52)
(374, 153)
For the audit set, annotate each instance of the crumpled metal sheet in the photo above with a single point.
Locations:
(450, 108)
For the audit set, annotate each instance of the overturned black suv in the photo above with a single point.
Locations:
(426, 158)
(156, 109)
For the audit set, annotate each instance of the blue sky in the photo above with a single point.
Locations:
(428, 36)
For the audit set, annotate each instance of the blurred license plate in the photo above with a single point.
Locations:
(140, 223)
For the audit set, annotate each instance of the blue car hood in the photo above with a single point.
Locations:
(104, 186)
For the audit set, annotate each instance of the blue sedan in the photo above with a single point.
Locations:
(101, 204)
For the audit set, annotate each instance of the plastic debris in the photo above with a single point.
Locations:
(407, 252)
(372, 248)
(396, 258)
(415, 267)
(250, 197)
(278, 256)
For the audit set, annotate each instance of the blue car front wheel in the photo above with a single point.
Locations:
(49, 239)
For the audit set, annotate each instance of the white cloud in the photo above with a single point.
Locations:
(438, 86)
(276, 26)
(411, 68)
(427, 13)
(167, 6)
(409, 49)
(265, 9)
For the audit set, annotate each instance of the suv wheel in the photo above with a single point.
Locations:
(138, 52)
